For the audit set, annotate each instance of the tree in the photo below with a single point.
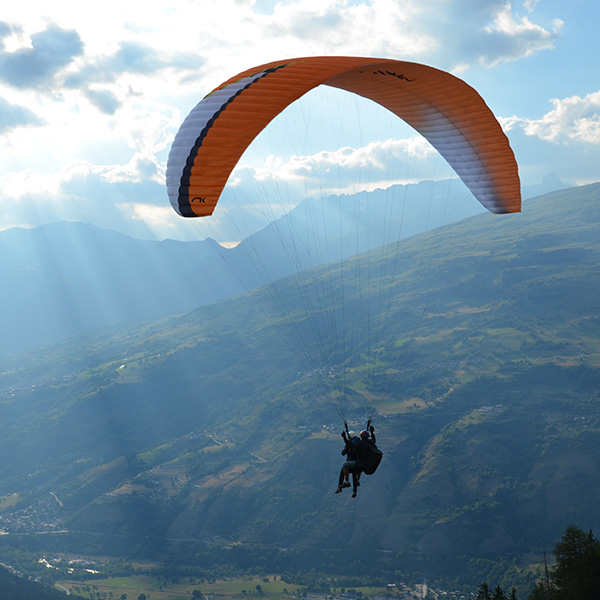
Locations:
(483, 593)
(576, 574)
(499, 594)
(540, 592)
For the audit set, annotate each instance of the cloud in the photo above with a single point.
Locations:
(132, 197)
(375, 156)
(573, 119)
(36, 67)
(131, 58)
(511, 37)
(305, 27)
(125, 199)
(13, 115)
(5, 30)
(486, 32)
(135, 57)
(155, 216)
(106, 80)
(378, 164)
(104, 100)
(223, 35)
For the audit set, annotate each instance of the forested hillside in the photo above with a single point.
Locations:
(208, 438)
(13, 587)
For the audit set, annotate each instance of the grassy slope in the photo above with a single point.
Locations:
(509, 318)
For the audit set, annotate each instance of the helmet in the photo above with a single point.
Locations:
(364, 435)
(352, 434)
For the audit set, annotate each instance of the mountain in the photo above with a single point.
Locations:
(550, 183)
(66, 278)
(212, 437)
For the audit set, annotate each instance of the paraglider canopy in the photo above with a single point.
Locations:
(342, 324)
(449, 113)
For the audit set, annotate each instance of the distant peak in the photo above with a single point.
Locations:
(552, 179)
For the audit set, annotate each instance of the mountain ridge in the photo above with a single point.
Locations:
(68, 277)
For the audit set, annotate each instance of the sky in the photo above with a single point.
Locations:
(91, 96)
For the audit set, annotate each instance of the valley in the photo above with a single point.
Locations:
(209, 440)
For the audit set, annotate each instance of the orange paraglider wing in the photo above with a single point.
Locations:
(449, 113)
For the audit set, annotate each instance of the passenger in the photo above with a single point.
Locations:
(350, 466)
(359, 451)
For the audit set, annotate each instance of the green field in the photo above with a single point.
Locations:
(155, 588)
(8, 501)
